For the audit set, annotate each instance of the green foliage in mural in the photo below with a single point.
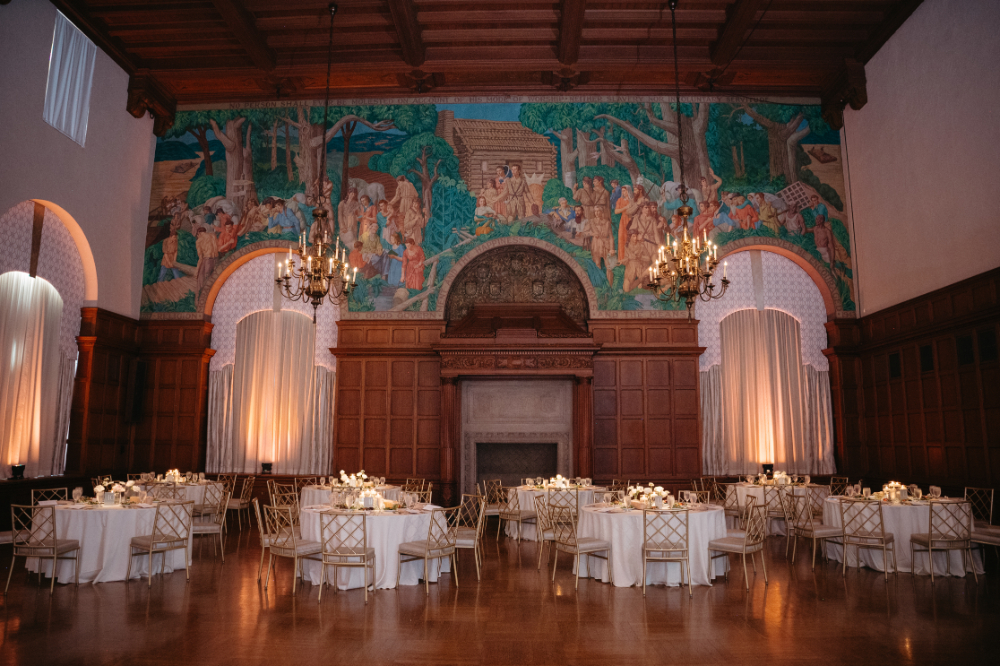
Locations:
(555, 190)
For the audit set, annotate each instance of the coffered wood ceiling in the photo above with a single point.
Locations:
(215, 51)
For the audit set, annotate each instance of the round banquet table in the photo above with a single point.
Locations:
(526, 501)
(386, 530)
(775, 526)
(312, 495)
(189, 492)
(901, 520)
(624, 529)
(104, 534)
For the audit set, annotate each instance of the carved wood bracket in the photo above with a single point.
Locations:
(146, 94)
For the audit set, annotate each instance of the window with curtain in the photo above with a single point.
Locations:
(32, 429)
(761, 404)
(273, 405)
(71, 74)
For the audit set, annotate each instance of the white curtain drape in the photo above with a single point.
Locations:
(64, 405)
(30, 313)
(763, 405)
(273, 405)
(71, 73)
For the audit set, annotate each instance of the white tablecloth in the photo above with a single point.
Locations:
(625, 532)
(526, 501)
(901, 520)
(191, 492)
(386, 531)
(104, 535)
(312, 495)
(774, 525)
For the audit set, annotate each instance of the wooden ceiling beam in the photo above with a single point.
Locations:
(404, 17)
(241, 23)
(96, 31)
(886, 29)
(734, 32)
(571, 14)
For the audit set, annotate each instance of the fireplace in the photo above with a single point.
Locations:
(512, 461)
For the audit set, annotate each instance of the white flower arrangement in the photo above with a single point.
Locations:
(98, 488)
(130, 483)
(118, 488)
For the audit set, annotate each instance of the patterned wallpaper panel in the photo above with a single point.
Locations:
(250, 289)
(786, 287)
(58, 262)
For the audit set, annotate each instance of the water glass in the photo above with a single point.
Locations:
(77, 494)
(539, 481)
(867, 492)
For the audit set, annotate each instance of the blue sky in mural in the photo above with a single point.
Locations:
(507, 112)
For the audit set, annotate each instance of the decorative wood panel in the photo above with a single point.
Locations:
(914, 388)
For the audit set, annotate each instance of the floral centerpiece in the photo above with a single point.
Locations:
(782, 479)
(99, 492)
(559, 482)
(356, 480)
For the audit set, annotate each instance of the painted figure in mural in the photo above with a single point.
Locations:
(579, 224)
(370, 241)
(641, 245)
(743, 212)
(413, 265)
(768, 214)
(414, 222)
(622, 205)
(349, 213)
(256, 219)
(825, 243)
(793, 220)
(227, 236)
(356, 260)
(587, 197)
(710, 190)
(818, 208)
(208, 253)
(169, 262)
(282, 220)
(518, 196)
(493, 196)
(404, 197)
(602, 244)
(395, 258)
(369, 211)
(485, 217)
(561, 216)
(616, 193)
(500, 184)
(704, 221)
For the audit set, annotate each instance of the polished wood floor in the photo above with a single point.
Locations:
(514, 616)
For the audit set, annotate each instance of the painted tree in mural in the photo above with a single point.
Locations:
(195, 123)
(786, 126)
(427, 157)
(694, 126)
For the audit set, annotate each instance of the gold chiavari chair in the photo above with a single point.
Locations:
(544, 533)
(511, 511)
(981, 502)
(731, 502)
(171, 529)
(228, 482)
(559, 498)
(135, 477)
(471, 513)
(703, 496)
(284, 541)
(817, 495)
(751, 542)
(865, 528)
(442, 536)
(708, 483)
(165, 491)
(214, 523)
(265, 536)
(241, 503)
(47, 494)
(665, 539)
(421, 496)
(567, 541)
(949, 527)
(491, 493)
(214, 494)
(610, 496)
(696, 484)
(303, 481)
(806, 525)
(34, 534)
(414, 485)
(838, 485)
(772, 505)
(290, 500)
(618, 484)
(345, 544)
(788, 510)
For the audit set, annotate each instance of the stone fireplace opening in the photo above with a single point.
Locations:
(512, 461)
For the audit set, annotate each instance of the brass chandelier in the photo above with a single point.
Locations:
(318, 275)
(685, 267)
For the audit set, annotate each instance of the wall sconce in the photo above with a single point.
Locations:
(16, 472)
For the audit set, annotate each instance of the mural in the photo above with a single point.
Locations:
(412, 188)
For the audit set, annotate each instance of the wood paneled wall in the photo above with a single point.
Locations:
(915, 387)
(646, 401)
(99, 434)
(140, 394)
(172, 427)
(388, 405)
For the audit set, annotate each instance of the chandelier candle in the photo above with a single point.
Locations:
(321, 273)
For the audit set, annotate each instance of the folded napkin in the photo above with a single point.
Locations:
(48, 503)
(145, 505)
(430, 507)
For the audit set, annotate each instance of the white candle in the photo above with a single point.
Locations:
(355, 275)
(725, 267)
